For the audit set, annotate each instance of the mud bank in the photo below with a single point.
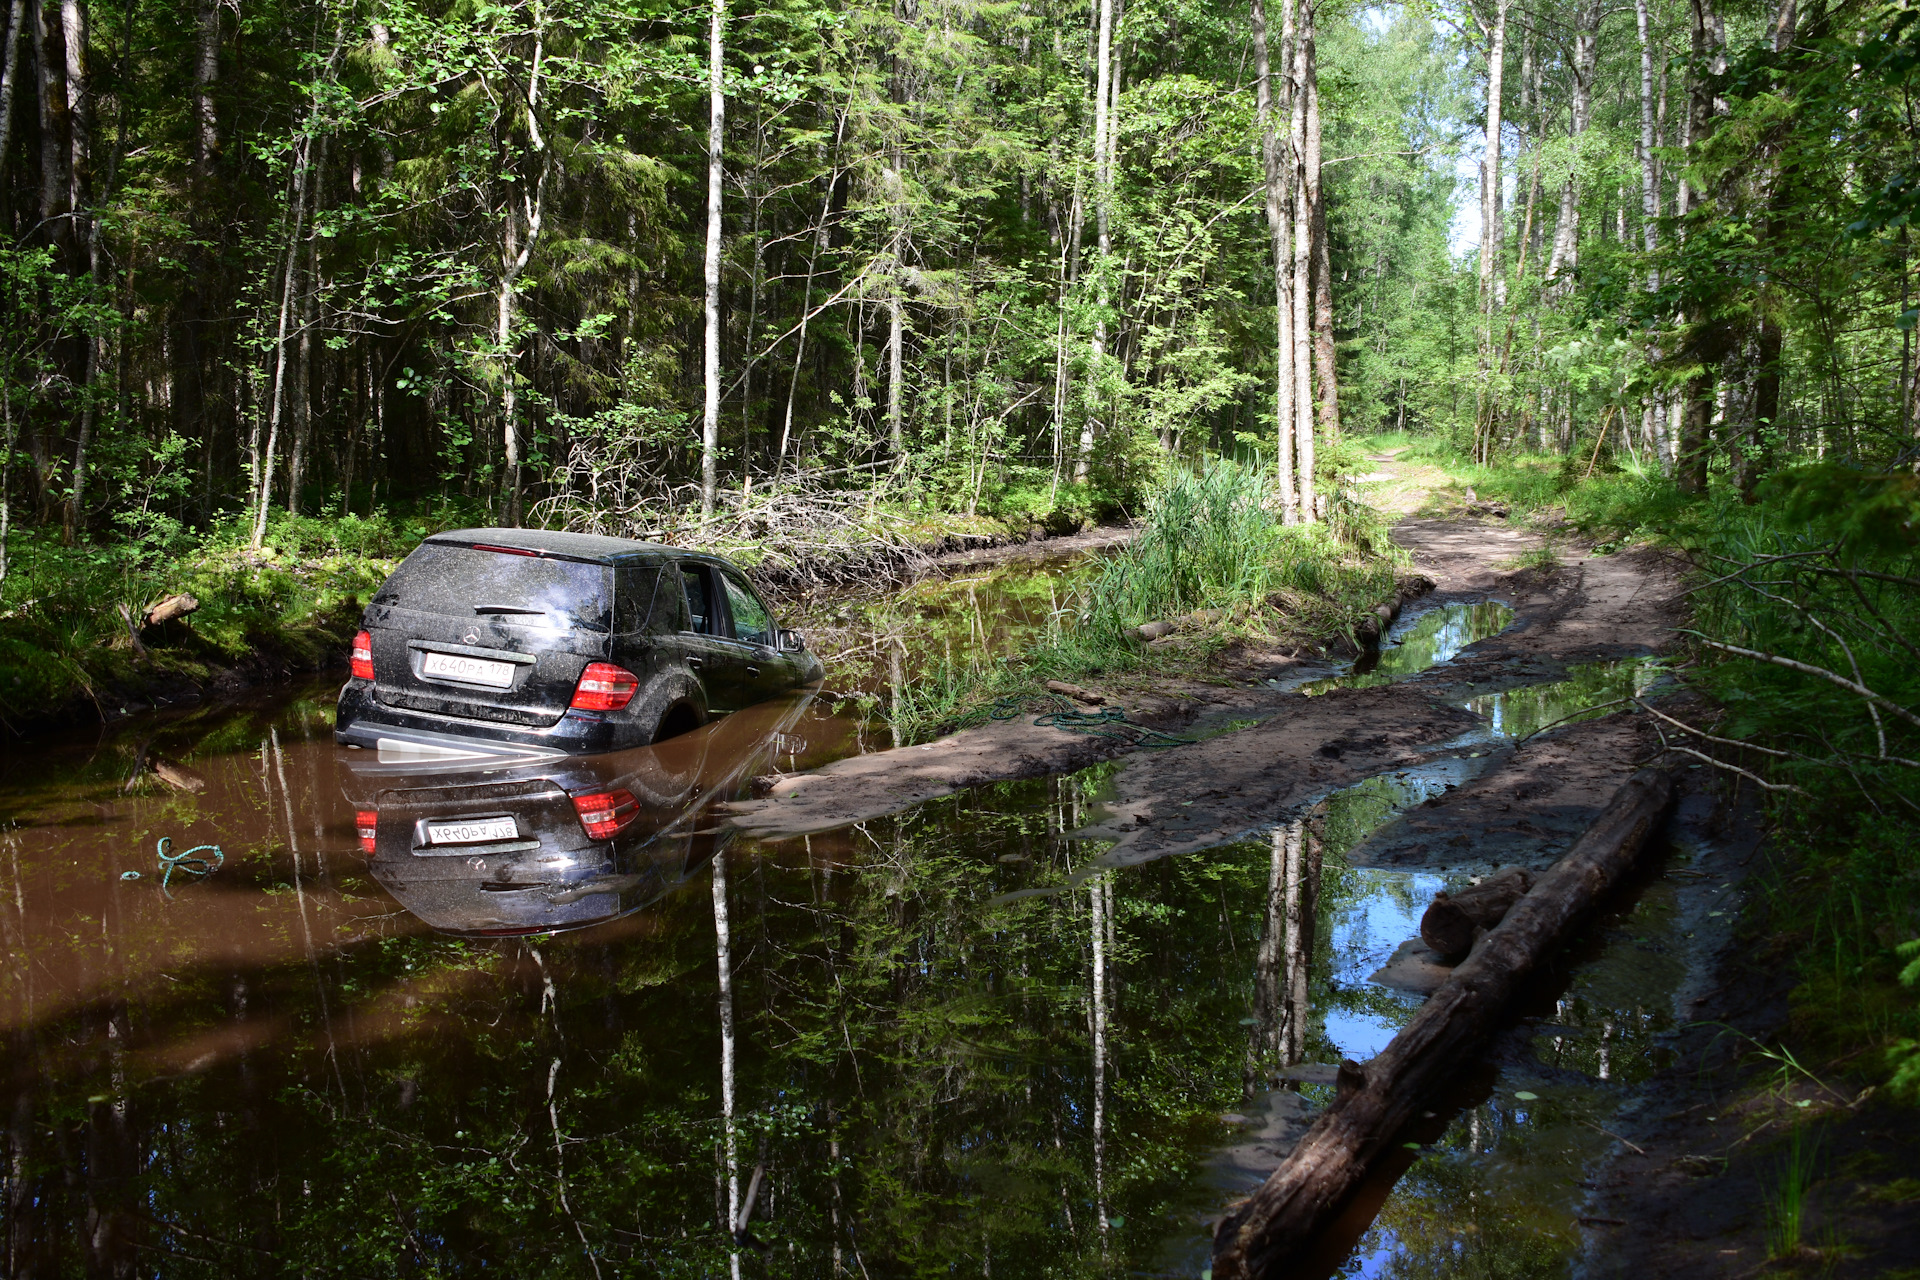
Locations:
(1270, 744)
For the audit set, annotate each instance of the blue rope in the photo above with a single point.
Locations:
(170, 862)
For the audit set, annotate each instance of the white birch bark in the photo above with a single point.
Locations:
(710, 363)
(1276, 209)
(1102, 192)
(1302, 345)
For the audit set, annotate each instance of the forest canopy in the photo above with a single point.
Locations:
(345, 257)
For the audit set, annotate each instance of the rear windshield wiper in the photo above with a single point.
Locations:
(507, 608)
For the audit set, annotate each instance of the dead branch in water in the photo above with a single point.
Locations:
(1375, 1101)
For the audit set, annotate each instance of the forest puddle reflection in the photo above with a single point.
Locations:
(313, 1056)
(1420, 640)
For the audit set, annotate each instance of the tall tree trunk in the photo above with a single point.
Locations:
(1302, 265)
(1697, 423)
(1324, 370)
(1490, 218)
(56, 135)
(1586, 48)
(520, 233)
(289, 284)
(710, 364)
(1277, 202)
(1649, 174)
(896, 351)
(1102, 197)
(9, 72)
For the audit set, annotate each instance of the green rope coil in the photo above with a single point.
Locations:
(1110, 722)
(186, 862)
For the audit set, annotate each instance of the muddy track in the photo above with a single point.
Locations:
(1298, 749)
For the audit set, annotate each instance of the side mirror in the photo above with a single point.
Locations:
(790, 642)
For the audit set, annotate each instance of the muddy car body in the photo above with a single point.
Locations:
(491, 641)
(507, 848)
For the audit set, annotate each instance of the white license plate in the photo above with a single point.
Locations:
(452, 666)
(479, 831)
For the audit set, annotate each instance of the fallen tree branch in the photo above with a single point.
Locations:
(1809, 669)
(1259, 1236)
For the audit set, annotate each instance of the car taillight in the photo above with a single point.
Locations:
(362, 658)
(604, 813)
(604, 687)
(367, 823)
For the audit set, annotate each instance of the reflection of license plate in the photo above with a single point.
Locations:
(478, 831)
(452, 666)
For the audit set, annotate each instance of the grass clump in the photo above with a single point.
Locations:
(1211, 540)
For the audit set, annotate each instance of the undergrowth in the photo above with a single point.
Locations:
(1210, 541)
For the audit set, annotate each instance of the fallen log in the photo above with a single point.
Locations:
(1256, 1239)
(1075, 692)
(178, 606)
(1453, 920)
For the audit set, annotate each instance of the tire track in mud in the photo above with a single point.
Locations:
(1300, 748)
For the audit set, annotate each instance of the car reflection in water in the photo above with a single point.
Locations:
(491, 848)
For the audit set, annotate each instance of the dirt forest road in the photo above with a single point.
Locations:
(1282, 750)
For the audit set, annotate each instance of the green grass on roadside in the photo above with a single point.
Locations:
(1210, 541)
(1843, 893)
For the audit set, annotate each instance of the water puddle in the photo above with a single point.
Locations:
(1590, 690)
(951, 1045)
(1418, 641)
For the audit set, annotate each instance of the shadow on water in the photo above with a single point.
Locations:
(476, 1019)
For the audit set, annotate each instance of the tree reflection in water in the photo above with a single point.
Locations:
(955, 1045)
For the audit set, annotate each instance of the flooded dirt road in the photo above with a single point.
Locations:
(569, 1020)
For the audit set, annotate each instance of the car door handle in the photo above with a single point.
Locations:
(753, 671)
(694, 663)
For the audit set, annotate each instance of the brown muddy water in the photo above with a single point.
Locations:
(555, 1021)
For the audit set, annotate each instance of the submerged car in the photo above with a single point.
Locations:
(521, 641)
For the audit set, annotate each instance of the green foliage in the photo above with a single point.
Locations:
(1210, 541)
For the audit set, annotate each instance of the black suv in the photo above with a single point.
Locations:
(520, 641)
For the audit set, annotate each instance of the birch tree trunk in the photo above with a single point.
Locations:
(1302, 266)
(1326, 382)
(1102, 210)
(1586, 49)
(289, 281)
(1491, 231)
(1276, 207)
(9, 72)
(710, 363)
(1649, 175)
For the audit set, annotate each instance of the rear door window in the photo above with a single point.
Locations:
(522, 590)
(702, 606)
(751, 622)
(646, 598)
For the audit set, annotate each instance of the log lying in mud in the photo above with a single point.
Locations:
(1075, 692)
(1411, 587)
(1376, 1100)
(1454, 919)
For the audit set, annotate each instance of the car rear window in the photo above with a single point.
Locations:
(466, 581)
